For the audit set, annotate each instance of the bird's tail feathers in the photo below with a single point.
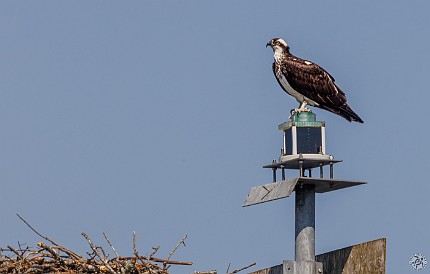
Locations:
(346, 112)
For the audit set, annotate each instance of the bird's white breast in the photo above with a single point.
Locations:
(299, 97)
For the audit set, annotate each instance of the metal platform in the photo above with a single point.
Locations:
(283, 189)
(308, 161)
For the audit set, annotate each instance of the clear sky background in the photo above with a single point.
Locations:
(157, 116)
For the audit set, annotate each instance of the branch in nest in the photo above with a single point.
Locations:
(44, 237)
(240, 269)
(113, 248)
(103, 260)
(182, 241)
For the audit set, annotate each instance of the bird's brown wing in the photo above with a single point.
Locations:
(313, 82)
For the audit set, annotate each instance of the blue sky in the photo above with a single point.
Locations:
(156, 116)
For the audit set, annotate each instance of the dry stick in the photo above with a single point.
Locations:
(155, 249)
(173, 251)
(116, 260)
(35, 256)
(228, 268)
(113, 248)
(134, 244)
(140, 258)
(44, 237)
(104, 261)
(19, 263)
(111, 245)
(103, 251)
(52, 252)
(15, 251)
(135, 250)
(176, 247)
(22, 250)
(34, 230)
(157, 260)
(72, 255)
(243, 268)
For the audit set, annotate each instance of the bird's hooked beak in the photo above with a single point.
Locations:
(270, 43)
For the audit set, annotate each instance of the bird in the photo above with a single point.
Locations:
(308, 83)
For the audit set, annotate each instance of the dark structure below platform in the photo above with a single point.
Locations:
(365, 258)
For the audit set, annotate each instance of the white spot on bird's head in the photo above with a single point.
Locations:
(279, 47)
(281, 41)
(278, 44)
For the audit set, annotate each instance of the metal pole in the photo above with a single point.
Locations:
(302, 173)
(305, 228)
(274, 174)
(283, 173)
(331, 170)
(274, 171)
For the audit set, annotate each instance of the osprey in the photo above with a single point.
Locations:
(308, 83)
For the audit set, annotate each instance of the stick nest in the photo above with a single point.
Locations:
(55, 258)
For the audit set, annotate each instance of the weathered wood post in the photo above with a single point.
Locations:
(303, 149)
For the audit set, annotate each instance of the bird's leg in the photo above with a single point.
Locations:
(302, 108)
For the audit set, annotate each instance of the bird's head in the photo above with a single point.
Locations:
(278, 45)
